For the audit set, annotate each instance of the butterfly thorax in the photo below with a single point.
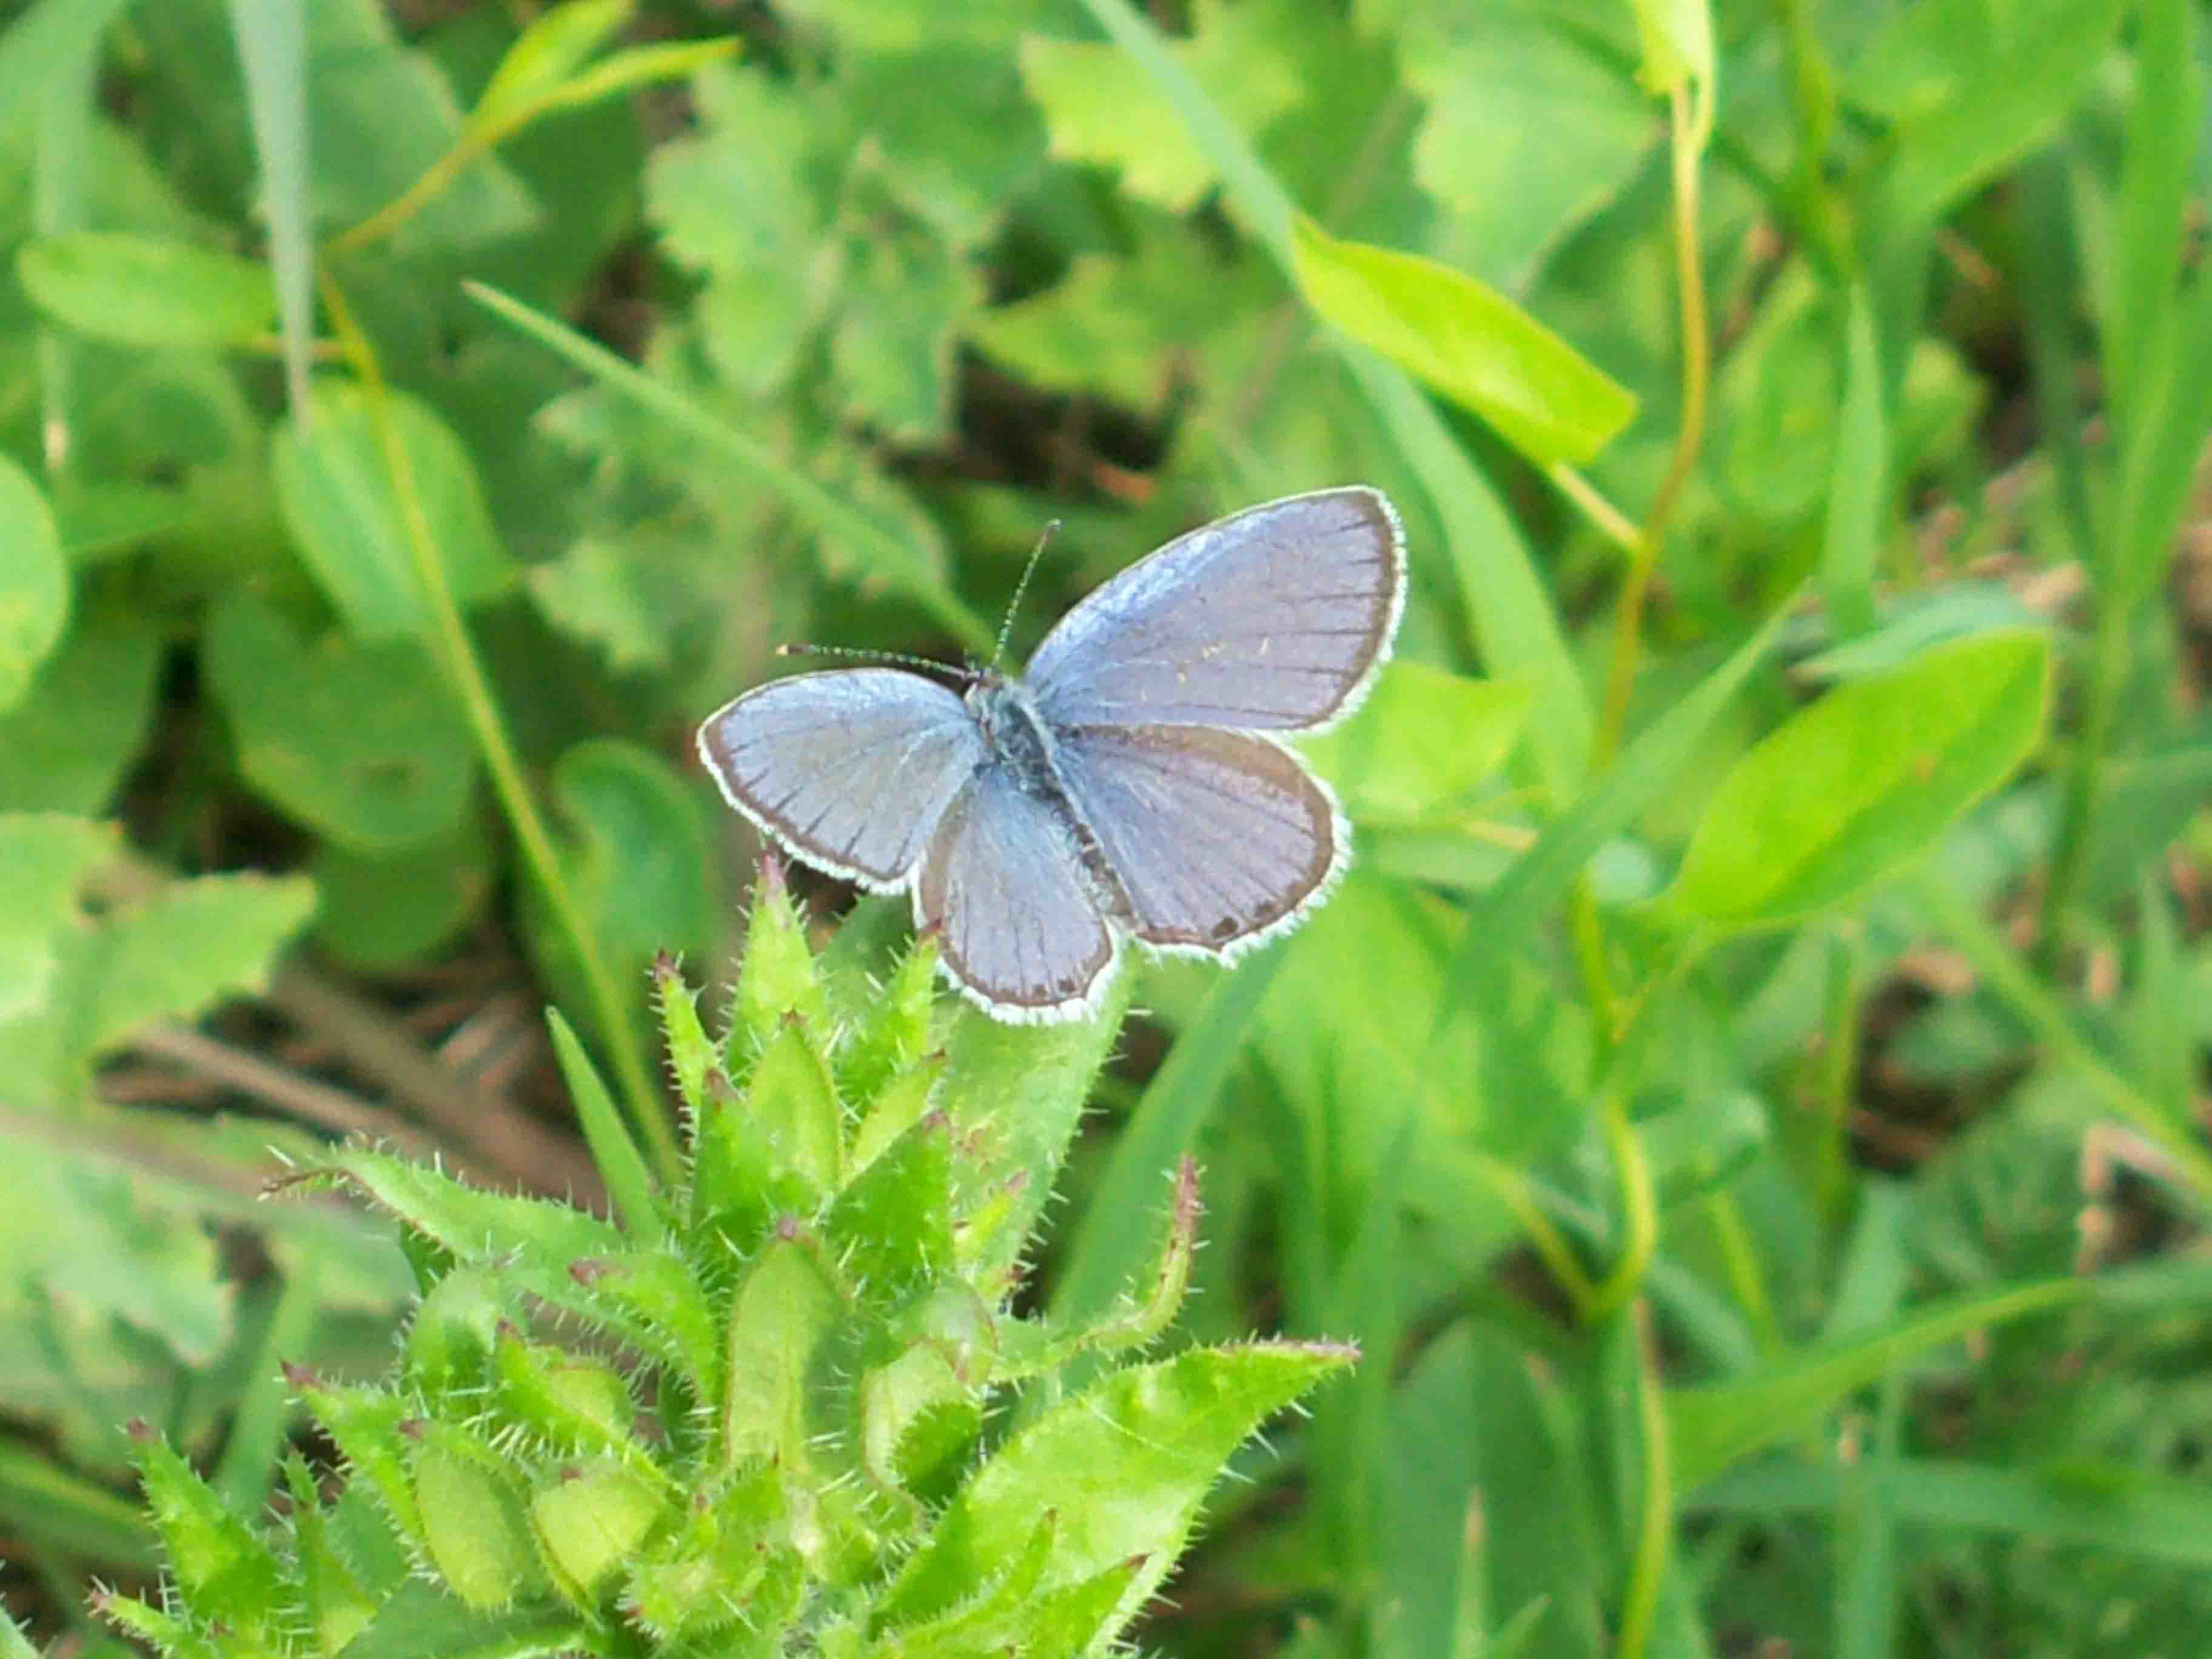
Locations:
(1015, 734)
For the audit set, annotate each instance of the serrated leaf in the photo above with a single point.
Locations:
(190, 945)
(1101, 107)
(141, 291)
(47, 857)
(1529, 133)
(341, 502)
(1125, 1464)
(591, 593)
(1867, 778)
(35, 591)
(892, 1228)
(360, 740)
(221, 1563)
(1469, 342)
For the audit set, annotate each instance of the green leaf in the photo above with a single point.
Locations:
(2023, 67)
(46, 858)
(272, 49)
(1716, 1426)
(226, 1567)
(556, 44)
(1864, 781)
(341, 502)
(475, 1520)
(1469, 342)
(783, 1312)
(360, 740)
(1124, 1465)
(892, 351)
(622, 1165)
(35, 594)
(192, 944)
(591, 593)
(1678, 42)
(64, 746)
(1527, 134)
(1102, 107)
(386, 910)
(138, 291)
(1422, 742)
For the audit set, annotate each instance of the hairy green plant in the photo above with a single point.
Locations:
(777, 1435)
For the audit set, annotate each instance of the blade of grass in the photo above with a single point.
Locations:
(630, 1181)
(62, 146)
(256, 1429)
(272, 45)
(63, 1513)
(457, 653)
(890, 558)
(1851, 543)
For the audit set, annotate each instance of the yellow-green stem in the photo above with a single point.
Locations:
(1639, 1205)
(1512, 1188)
(474, 689)
(1687, 126)
(1655, 1529)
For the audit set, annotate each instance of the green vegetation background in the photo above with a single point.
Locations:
(1748, 1104)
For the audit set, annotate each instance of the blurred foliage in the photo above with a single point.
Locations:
(1747, 1103)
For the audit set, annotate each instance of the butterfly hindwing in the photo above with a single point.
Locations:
(1215, 839)
(1003, 885)
(1272, 619)
(850, 769)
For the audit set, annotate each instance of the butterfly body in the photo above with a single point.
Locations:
(1131, 787)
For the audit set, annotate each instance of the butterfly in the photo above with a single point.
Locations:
(1132, 785)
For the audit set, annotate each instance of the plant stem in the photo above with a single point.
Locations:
(1655, 1529)
(473, 687)
(2107, 672)
(1686, 129)
(1639, 1205)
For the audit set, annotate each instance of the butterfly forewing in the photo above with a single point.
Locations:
(1214, 839)
(850, 769)
(1272, 619)
(1004, 885)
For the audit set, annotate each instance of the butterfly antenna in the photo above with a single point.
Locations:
(900, 659)
(1021, 588)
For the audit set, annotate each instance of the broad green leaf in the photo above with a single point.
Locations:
(34, 592)
(556, 44)
(1469, 342)
(388, 910)
(1421, 742)
(135, 290)
(475, 1522)
(1527, 136)
(639, 858)
(1101, 107)
(188, 946)
(362, 741)
(1125, 1464)
(46, 856)
(892, 351)
(1865, 780)
(783, 1312)
(336, 487)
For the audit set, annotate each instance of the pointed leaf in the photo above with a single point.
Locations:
(1467, 340)
(1866, 778)
(139, 291)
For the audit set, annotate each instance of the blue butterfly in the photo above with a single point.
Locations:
(1131, 786)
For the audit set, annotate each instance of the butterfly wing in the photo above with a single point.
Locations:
(1004, 885)
(1217, 840)
(1272, 619)
(850, 769)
